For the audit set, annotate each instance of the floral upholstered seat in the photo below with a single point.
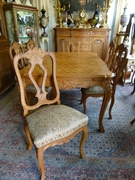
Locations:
(52, 123)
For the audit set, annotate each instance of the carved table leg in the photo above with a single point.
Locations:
(132, 122)
(133, 87)
(107, 95)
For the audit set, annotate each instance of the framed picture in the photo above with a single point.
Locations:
(76, 6)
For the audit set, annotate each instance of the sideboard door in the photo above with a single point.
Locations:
(97, 46)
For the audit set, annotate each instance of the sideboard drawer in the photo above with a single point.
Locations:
(85, 47)
(64, 33)
(81, 32)
(100, 33)
(84, 40)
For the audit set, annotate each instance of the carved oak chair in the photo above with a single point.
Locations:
(30, 44)
(110, 54)
(47, 124)
(119, 59)
(16, 48)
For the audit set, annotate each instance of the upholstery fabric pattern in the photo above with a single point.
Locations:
(94, 90)
(31, 88)
(49, 123)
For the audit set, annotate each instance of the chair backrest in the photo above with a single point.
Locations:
(120, 60)
(70, 45)
(46, 64)
(30, 44)
(110, 54)
(16, 48)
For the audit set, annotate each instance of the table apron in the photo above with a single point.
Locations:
(72, 82)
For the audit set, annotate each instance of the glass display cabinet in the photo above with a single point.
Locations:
(21, 23)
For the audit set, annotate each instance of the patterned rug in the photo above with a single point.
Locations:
(109, 155)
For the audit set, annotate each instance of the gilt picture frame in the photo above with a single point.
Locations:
(76, 6)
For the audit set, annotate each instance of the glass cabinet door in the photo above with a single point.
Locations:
(27, 26)
(22, 23)
(10, 26)
(2, 22)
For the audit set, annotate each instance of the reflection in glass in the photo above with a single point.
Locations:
(1, 32)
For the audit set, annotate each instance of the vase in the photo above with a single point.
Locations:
(124, 18)
(28, 3)
(44, 22)
(96, 15)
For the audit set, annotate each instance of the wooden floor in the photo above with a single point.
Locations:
(6, 97)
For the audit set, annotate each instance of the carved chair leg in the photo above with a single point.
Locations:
(133, 87)
(84, 103)
(84, 137)
(26, 129)
(132, 122)
(111, 105)
(40, 155)
(81, 101)
(132, 77)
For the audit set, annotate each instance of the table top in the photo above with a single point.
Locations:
(77, 67)
(80, 63)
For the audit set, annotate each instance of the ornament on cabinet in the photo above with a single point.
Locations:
(69, 16)
(124, 18)
(96, 15)
(28, 3)
(82, 22)
(44, 22)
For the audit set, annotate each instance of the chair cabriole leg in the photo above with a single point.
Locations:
(40, 155)
(111, 105)
(84, 137)
(26, 129)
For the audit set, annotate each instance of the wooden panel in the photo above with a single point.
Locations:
(6, 69)
(98, 47)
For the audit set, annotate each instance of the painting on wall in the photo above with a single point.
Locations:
(89, 5)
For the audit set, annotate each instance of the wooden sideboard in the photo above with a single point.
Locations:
(7, 79)
(92, 40)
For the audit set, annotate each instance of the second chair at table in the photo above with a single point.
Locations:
(109, 60)
(30, 44)
(16, 48)
(119, 60)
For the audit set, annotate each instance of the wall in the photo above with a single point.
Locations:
(111, 19)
